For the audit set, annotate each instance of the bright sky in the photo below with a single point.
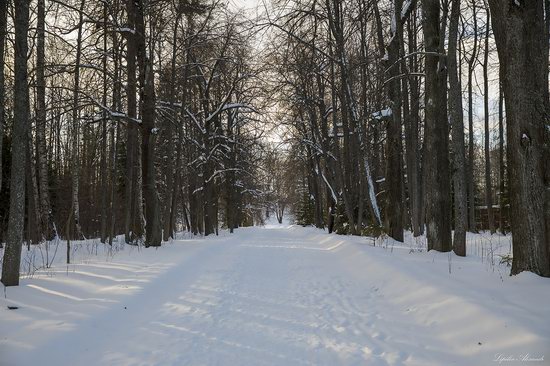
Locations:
(246, 4)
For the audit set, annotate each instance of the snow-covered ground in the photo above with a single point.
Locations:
(279, 295)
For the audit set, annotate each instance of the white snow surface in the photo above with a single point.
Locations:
(277, 295)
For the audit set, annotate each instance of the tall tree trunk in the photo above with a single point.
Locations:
(75, 164)
(103, 164)
(131, 229)
(33, 213)
(457, 124)
(42, 154)
(414, 176)
(488, 180)
(518, 26)
(394, 201)
(115, 136)
(16, 221)
(436, 154)
(153, 229)
(169, 168)
(470, 178)
(3, 33)
(501, 167)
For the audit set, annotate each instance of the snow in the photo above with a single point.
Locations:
(125, 30)
(405, 9)
(278, 295)
(384, 113)
(372, 193)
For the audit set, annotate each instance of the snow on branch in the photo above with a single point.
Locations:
(383, 114)
(194, 118)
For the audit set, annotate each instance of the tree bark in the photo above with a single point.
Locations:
(169, 168)
(470, 178)
(153, 229)
(412, 137)
(131, 224)
(3, 33)
(502, 171)
(75, 137)
(394, 174)
(436, 134)
(103, 162)
(16, 221)
(488, 180)
(457, 124)
(42, 154)
(518, 26)
(115, 136)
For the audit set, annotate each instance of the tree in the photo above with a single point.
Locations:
(518, 27)
(3, 33)
(488, 183)
(394, 174)
(153, 230)
(14, 239)
(132, 197)
(501, 166)
(470, 173)
(457, 125)
(41, 153)
(436, 159)
(74, 215)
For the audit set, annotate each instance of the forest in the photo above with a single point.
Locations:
(274, 182)
(144, 118)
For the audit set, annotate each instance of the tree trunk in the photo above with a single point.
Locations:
(488, 183)
(42, 154)
(502, 172)
(16, 221)
(169, 168)
(436, 134)
(153, 230)
(103, 163)
(455, 116)
(412, 137)
(518, 26)
(75, 167)
(115, 136)
(470, 178)
(33, 213)
(3, 28)
(131, 184)
(394, 174)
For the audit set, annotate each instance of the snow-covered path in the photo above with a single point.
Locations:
(280, 295)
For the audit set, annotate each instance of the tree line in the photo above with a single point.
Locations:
(380, 100)
(142, 118)
(135, 118)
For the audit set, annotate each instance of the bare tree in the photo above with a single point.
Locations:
(436, 154)
(470, 173)
(518, 26)
(75, 136)
(41, 153)
(501, 167)
(488, 180)
(153, 231)
(457, 125)
(3, 33)
(14, 239)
